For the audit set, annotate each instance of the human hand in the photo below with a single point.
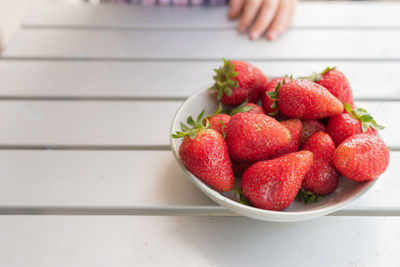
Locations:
(273, 16)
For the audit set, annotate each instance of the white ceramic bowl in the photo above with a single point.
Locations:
(346, 192)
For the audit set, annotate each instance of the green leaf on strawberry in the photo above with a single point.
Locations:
(315, 77)
(224, 81)
(274, 95)
(364, 117)
(241, 108)
(195, 126)
(307, 197)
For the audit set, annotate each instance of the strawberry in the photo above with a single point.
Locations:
(204, 153)
(273, 184)
(322, 178)
(219, 122)
(239, 167)
(237, 81)
(269, 100)
(336, 83)
(294, 126)
(361, 157)
(253, 137)
(354, 122)
(247, 107)
(310, 127)
(304, 99)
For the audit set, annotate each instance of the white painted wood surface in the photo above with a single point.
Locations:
(135, 79)
(123, 179)
(299, 44)
(87, 95)
(309, 14)
(192, 241)
(118, 123)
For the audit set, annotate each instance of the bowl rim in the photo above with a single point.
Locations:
(234, 205)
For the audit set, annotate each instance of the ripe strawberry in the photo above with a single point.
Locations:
(342, 126)
(361, 157)
(310, 127)
(336, 83)
(322, 178)
(304, 99)
(239, 167)
(269, 100)
(237, 81)
(219, 122)
(253, 137)
(247, 107)
(294, 126)
(204, 153)
(273, 184)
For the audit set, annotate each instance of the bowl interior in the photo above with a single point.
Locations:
(347, 191)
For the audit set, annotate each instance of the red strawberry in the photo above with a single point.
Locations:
(342, 126)
(336, 83)
(294, 126)
(253, 137)
(239, 167)
(362, 157)
(268, 101)
(304, 99)
(310, 127)
(322, 178)
(273, 184)
(237, 81)
(219, 122)
(247, 107)
(205, 154)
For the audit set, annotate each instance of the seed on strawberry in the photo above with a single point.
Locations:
(362, 157)
(253, 137)
(273, 184)
(357, 121)
(237, 81)
(304, 99)
(204, 153)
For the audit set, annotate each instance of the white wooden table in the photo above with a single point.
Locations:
(86, 98)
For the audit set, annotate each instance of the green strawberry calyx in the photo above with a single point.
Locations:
(274, 96)
(194, 127)
(364, 117)
(307, 196)
(222, 128)
(224, 81)
(241, 198)
(315, 77)
(241, 108)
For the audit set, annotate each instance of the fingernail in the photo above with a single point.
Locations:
(272, 35)
(254, 35)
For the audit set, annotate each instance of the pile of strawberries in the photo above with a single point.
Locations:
(306, 133)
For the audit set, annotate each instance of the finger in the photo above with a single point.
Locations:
(282, 17)
(251, 8)
(264, 18)
(235, 7)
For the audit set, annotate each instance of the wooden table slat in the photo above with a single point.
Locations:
(133, 180)
(120, 123)
(122, 80)
(192, 241)
(298, 44)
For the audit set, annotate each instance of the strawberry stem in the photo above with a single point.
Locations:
(224, 81)
(315, 76)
